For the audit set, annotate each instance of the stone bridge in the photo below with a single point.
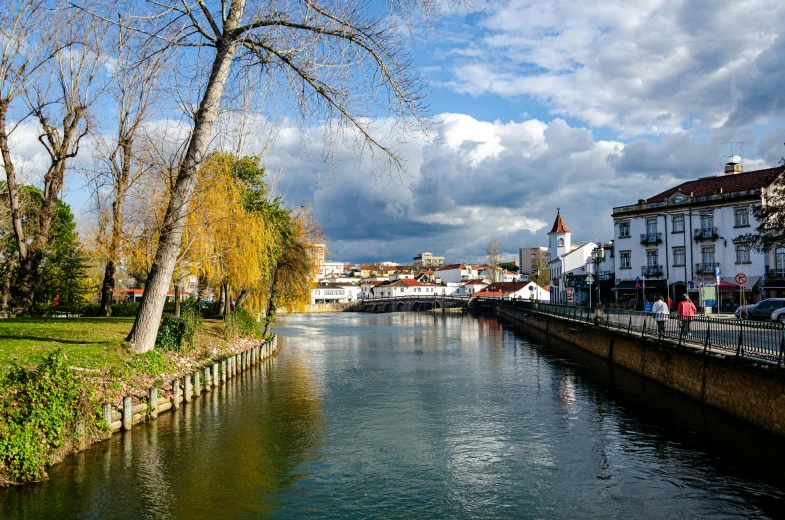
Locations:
(413, 303)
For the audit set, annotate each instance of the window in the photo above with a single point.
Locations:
(651, 226)
(679, 257)
(678, 224)
(561, 242)
(708, 256)
(743, 254)
(624, 230)
(624, 260)
(651, 258)
(707, 223)
(779, 259)
(742, 217)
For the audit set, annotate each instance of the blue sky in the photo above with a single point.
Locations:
(543, 104)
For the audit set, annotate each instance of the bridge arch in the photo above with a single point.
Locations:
(417, 306)
(400, 307)
(388, 307)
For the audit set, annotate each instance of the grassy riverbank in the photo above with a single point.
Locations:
(54, 373)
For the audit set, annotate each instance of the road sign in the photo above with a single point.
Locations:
(741, 278)
(637, 279)
(692, 284)
(717, 272)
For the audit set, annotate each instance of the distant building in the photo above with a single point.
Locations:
(527, 257)
(326, 292)
(427, 260)
(514, 291)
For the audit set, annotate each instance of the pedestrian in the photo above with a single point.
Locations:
(686, 312)
(670, 304)
(661, 312)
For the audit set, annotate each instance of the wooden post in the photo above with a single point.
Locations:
(197, 384)
(152, 394)
(223, 371)
(106, 408)
(207, 382)
(175, 394)
(215, 374)
(128, 413)
(188, 391)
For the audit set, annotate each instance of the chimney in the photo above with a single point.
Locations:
(733, 165)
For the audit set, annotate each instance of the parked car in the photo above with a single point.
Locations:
(779, 315)
(761, 310)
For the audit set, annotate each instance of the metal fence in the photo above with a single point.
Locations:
(762, 340)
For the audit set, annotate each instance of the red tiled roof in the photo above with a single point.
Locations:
(507, 286)
(558, 225)
(487, 293)
(452, 266)
(727, 183)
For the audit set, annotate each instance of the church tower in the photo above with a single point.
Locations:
(559, 237)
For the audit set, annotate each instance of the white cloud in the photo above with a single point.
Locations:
(639, 67)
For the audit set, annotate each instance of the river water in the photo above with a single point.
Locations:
(416, 415)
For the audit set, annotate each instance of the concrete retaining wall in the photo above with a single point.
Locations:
(751, 391)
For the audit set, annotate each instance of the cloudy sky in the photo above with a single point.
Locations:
(544, 104)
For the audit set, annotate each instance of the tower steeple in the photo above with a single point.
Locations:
(559, 237)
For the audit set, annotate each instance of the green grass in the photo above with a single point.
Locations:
(87, 342)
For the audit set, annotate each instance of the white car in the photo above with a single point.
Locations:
(778, 315)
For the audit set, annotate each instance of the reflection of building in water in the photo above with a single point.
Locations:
(566, 392)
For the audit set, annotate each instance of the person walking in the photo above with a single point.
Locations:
(661, 312)
(686, 312)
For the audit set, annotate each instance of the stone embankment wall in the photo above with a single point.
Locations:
(187, 388)
(323, 307)
(749, 390)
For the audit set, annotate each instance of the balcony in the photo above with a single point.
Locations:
(555, 282)
(706, 268)
(707, 233)
(775, 274)
(651, 271)
(651, 238)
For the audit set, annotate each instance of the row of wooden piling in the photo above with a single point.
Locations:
(185, 389)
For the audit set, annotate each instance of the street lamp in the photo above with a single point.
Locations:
(597, 257)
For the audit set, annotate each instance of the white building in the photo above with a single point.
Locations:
(515, 291)
(457, 273)
(427, 260)
(677, 239)
(408, 287)
(334, 293)
(469, 287)
(568, 266)
(330, 269)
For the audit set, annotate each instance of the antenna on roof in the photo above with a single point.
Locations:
(733, 166)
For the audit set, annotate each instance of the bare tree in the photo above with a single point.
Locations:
(53, 75)
(494, 258)
(339, 62)
(135, 88)
(541, 272)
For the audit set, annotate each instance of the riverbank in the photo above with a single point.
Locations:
(59, 376)
(748, 389)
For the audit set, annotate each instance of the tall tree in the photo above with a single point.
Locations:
(65, 55)
(339, 63)
(494, 258)
(541, 274)
(134, 87)
(770, 215)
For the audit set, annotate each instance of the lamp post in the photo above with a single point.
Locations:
(597, 257)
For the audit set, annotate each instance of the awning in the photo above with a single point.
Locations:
(751, 282)
(628, 285)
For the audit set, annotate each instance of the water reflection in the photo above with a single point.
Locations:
(427, 416)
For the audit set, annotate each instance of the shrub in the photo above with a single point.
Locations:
(39, 413)
(190, 313)
(127, 309)
(170, 333)
(241, 323)
(90, 310)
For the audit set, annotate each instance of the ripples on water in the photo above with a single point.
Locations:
(422, 416)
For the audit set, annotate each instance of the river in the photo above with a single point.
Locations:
(421, 415)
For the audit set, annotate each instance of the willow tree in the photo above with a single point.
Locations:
(226, 240)
(337, 63)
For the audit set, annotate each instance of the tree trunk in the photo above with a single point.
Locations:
(145, 329)
(227, 301)
(5, 288)
(107, 289)
(177, 299)
(244, 293)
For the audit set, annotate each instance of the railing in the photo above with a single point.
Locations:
(651, 238)
(705, 233)
(775, 274)
(651, 270)
(706, 268)
(760, 340)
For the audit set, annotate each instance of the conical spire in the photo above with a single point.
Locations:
(558, 224)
